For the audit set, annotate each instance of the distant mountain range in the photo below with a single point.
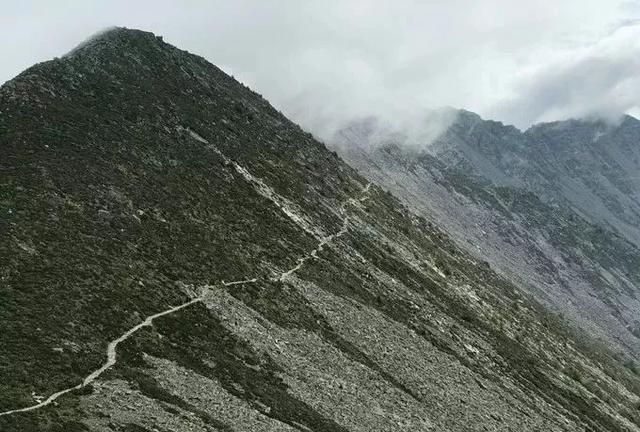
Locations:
(176, 255)
(554, 208)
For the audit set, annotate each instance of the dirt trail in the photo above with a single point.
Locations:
(111, 358)
(328, 239)
(111, 348)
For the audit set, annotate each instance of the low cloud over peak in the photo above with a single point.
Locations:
(599, 80)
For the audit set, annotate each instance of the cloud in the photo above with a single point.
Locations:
(415, 131)
(599, 80)
(324, 62)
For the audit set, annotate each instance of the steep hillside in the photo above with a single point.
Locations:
(595, 167)
(504, 197)
(590, 165)
(177, 255)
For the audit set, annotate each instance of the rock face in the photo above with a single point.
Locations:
(177, 255)
(590, 165)
(554, 209)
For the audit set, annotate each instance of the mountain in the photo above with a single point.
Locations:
(592, 165)
(552, 209)
(178, 255)
(595, 167)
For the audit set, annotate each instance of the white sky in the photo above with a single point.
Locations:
(326, 61)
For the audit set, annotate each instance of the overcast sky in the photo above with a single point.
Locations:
(325, 61)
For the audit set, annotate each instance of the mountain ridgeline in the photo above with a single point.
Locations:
(177, 255)
(554, 209)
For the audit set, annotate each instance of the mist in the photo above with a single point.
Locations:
(325, 64)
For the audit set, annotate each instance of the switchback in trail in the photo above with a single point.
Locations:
(111, 348)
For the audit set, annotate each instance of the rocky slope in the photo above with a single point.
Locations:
(549, 208)
(177, 255)
(591, 165)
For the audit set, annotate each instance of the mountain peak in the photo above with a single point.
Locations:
(467, 117)
(630, 121)
(117, 37)
(120, 32)
(589, 122)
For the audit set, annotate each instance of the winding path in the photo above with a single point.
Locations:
(328, 239)
(111, 358)
(111, 348)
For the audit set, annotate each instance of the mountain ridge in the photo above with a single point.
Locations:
(133, 174)
(534, 159)
(515, 194)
